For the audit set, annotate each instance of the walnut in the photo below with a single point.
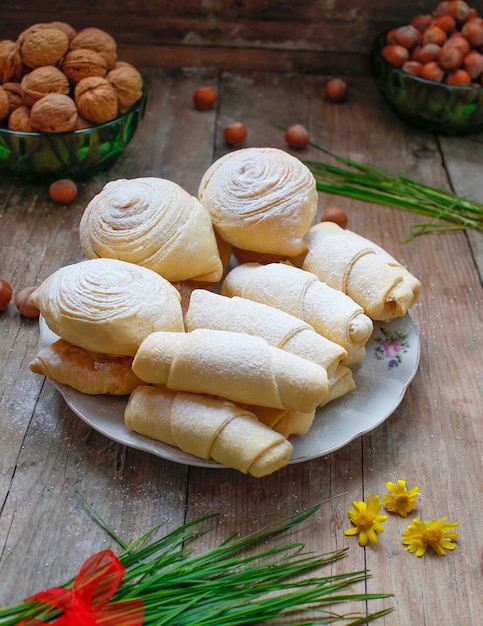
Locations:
(19, 120)
(96, 99)
(14, 93)
(128, 84)
(97, 40)
(82, 123)
(82, 62)
(41, 44)
(4, 103)
(54, 113)
(69, 30)
(11, 65)
(41, 81)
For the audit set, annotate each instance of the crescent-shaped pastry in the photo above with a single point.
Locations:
(209, 428)
(88, 372)
(330, 312)
(237, 366)
(361, 269)
(261, 199)
(278, 328)
(109, 306)
(155, 223)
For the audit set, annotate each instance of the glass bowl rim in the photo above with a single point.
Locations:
(78, 131)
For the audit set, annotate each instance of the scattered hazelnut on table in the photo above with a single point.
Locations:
(205, 98)
(235, 134)
(5, 294)
(335, 214)
(297, 136)
(63, 191)
(336, 89)
(24, 304)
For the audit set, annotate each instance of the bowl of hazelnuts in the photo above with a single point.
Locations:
(430, 71)
(68, 105)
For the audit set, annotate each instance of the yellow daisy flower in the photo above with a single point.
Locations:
(366, 519)
(436, 533)
(401, 501)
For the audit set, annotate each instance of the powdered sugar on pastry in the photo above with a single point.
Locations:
(155, 223)
(261, 199)
(106, 305)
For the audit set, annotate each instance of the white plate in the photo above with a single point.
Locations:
(381, 378)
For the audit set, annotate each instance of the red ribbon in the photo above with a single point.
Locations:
(87, 603)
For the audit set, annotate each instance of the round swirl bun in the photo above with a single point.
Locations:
(261, 199)
(108, 306)
(155, 223)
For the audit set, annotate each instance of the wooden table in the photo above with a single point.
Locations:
(48, 456)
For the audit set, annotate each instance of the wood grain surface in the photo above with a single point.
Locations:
(433, 439)
(316, 36)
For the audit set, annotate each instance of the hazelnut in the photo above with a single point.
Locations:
(54, 113)
(11, 65)
(98, 40)
(4, 103)
(19, 120)
(81, 63)
(96, 99)
(41, 81)
(127, 83)
(42, 45)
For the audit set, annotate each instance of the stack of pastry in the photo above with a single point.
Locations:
(224, 364)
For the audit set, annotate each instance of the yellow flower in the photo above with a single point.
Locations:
(366, 520)
(401, 501)
(436, 533)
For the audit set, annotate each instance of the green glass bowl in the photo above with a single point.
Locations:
(75, 154)
(435, 107)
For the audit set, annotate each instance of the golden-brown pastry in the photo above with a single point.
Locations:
(240, 367)
(300, 293)
(261, 199)
(361, 269)
(89, 372)
(155, 223)
(278, 328)
(209, 428)
(108, 306)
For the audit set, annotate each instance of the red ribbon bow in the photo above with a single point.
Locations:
(87, 603)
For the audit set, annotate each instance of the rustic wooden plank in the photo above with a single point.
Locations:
(432, 415)
(131, 490)
(432, 439)
(317, 36)
(463, 157)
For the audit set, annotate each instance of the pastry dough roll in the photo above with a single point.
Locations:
(261, 199)
(155, 223)
(340, 383)
(361, 269)
(237, 366)
(207, 428)
(107, 305)
(89, 372)
(278, 328)
(300, 293)
(287, 422)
